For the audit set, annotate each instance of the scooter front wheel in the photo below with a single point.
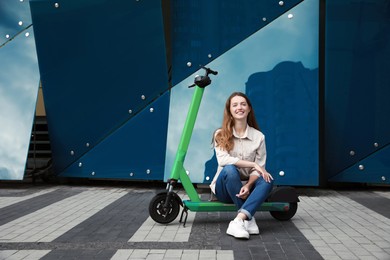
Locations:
(161, 214)
(285, 215)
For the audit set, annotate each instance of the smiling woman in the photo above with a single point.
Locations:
(241, 177)
(19, 81)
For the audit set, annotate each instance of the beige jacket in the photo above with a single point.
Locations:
(249, 147)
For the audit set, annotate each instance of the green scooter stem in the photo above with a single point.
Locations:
(178, 171)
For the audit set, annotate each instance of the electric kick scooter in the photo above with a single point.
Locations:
(282, 202)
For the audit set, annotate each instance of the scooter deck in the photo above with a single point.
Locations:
(207, 206)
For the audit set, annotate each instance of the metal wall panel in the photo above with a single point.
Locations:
(357, 88)
(135, 151)
(101, 63)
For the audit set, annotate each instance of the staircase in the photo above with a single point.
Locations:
(39, 153)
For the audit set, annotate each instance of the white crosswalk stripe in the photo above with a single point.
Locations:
(50, 222)
(177, 254)
(22, 254)
(340, 228)
(7, 201)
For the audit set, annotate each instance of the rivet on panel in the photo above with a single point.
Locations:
(351, 153)
(143, 97)
(361, 167)
(131, 174)
(189, 64)
(376, 144)
(80, 164)
(71, 152)
(188, 172)
(209, 56)
(151, 110)
(7, 36)
(27, 34)
(56, 5)
(207, 178)
(383, 178)
(281, 3)
(93, 173)
(281, 173)
(290, 16)
(148, 171)
(20, 23)
(130, 111)
(87, 144)
(264, 19)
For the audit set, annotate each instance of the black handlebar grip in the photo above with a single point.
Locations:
(213, 72)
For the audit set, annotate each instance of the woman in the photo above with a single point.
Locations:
(241, 177)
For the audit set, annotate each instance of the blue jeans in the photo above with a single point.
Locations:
(229, 184)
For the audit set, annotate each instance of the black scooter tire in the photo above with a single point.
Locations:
(285, 215)
(161, 215)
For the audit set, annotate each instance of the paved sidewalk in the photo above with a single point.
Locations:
(112, 222)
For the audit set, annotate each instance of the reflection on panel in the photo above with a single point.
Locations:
(203, 30)
(19, 82)
(278, 68)
(14, 18)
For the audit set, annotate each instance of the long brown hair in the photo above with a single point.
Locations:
(224, 135)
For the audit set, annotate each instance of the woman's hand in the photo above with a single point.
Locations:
(263, 172)
(244, 192)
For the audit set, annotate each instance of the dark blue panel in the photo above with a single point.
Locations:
(134, 151)
(98, 60)
(203, 27)
(373, 169)
(357, 82)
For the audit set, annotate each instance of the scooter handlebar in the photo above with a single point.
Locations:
(210, 71)
(203, 81)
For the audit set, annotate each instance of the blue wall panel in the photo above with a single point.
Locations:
(104, 63)
(357, 84)
(374, 168)
(101, 62)
(135, 151)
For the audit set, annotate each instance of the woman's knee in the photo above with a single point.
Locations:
(230, 171)
(265, 184)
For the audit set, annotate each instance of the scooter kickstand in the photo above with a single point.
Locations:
(185, 210)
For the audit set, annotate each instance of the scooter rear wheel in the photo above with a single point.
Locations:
(285, 215)
(163, 215)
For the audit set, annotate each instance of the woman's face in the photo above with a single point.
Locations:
(239, 108)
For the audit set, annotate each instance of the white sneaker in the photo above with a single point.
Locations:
(251, 226)
(237, 229)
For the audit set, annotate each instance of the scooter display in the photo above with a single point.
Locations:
(282, 202)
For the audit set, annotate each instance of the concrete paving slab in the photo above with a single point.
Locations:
(112, 222)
